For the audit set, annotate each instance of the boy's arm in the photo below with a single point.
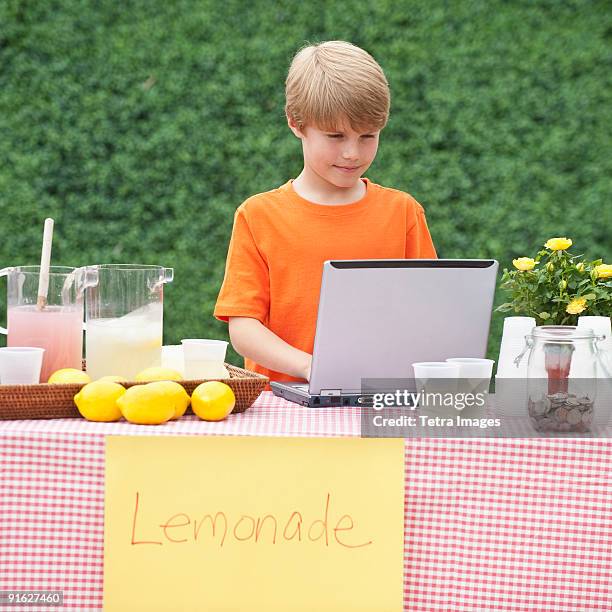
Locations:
(253, 340)
(419, 244)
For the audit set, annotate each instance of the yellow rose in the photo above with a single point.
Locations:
(558, 244)
(580, 267)
(576, 306)
(604, 271)
(524, 263)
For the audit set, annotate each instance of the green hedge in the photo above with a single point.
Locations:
(141, 125)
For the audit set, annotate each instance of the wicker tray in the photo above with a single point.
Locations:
(56, 401)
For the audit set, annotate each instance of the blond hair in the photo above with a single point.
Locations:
(336, 81)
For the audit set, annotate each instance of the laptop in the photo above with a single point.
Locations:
(377, 317)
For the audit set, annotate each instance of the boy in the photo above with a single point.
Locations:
(337, 102)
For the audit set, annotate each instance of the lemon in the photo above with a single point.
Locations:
(177, 392)
(97, 401)
(147, 404)
(69, 376)
(111, 378)
(157, 373)
(213, 400)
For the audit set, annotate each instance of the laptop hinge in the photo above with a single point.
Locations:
(331, 392)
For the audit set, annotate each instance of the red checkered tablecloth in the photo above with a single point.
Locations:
(510, 525)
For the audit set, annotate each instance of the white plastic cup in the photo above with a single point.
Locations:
(472, 367)
(522, 325)
(601, 326)
(201, 347)
(204, 358)
(436, 377)
(512, 345)
(172, 358)
(474, 372)
(20, 365)
(424, 370)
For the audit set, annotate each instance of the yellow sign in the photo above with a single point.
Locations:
(196, 523)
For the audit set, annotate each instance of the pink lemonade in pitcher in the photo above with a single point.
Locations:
(57, 329)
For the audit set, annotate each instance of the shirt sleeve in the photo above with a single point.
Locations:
(419, 244)
(245, 291)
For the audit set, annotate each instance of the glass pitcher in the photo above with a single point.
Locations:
(124, 319)
(58, 326)
(562, 377)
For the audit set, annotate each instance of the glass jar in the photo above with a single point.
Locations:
(124, 314)
(561, 377)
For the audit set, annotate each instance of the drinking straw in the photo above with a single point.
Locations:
(45, 260)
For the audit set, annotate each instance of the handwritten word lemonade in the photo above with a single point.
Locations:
(125, 345)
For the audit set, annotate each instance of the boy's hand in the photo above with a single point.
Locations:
(251, 338)
(307, 368)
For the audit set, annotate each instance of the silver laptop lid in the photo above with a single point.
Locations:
(377, 317)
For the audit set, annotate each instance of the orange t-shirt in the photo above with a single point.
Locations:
(280, 241)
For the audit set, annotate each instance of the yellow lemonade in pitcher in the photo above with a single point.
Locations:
(124, 345)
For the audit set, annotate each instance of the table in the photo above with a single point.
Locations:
(506, 524)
